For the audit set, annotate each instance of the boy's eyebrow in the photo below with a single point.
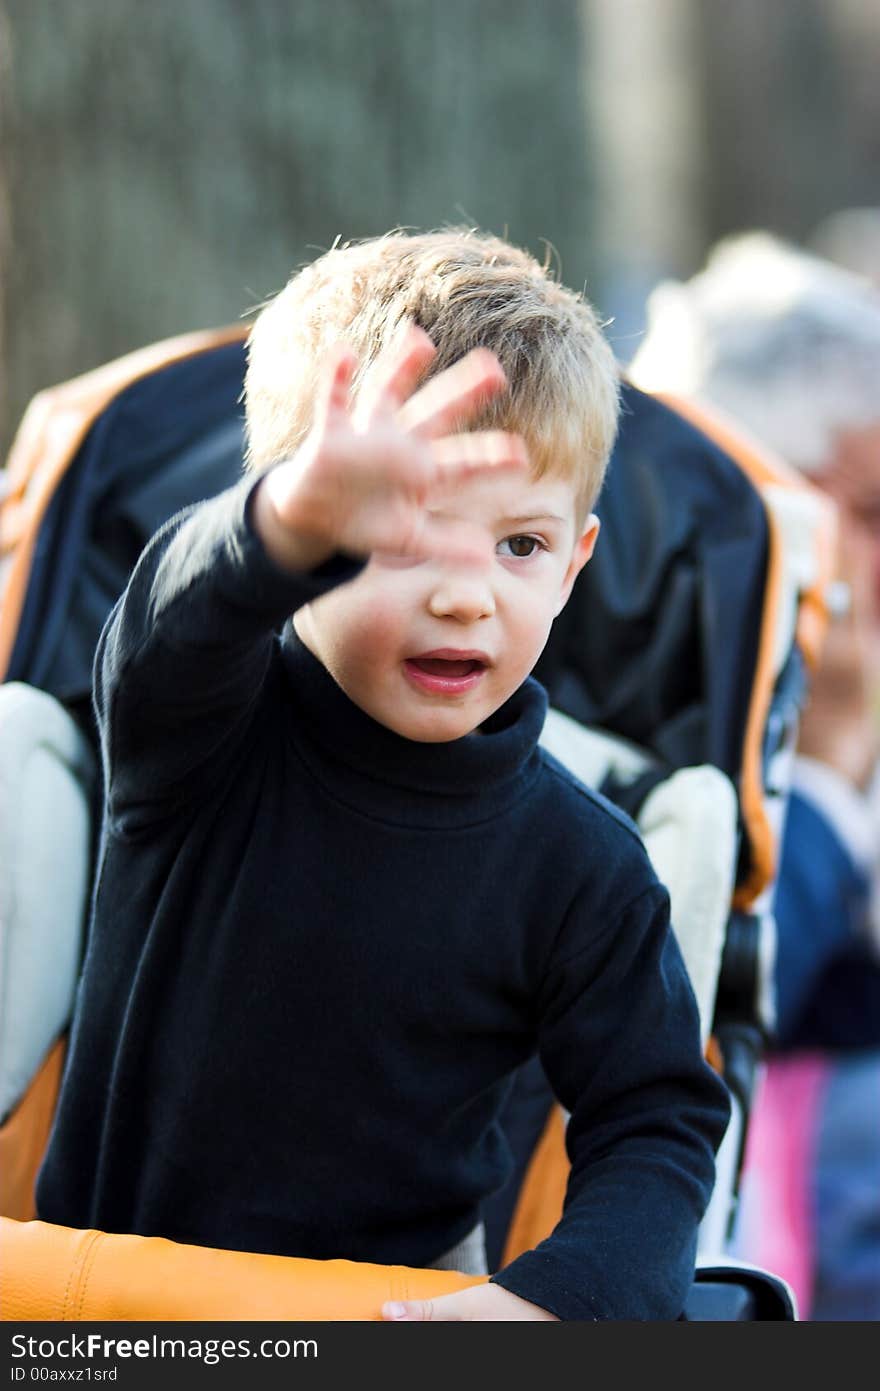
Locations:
(536, 517)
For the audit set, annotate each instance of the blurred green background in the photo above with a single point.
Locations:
(165, 166)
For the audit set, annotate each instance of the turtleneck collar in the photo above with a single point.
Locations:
(373, 768)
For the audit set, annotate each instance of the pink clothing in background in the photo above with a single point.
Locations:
(775, 1225)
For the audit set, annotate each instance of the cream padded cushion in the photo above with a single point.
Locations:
(689, 826)
(47, 772)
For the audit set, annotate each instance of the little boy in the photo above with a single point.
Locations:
(343, 894)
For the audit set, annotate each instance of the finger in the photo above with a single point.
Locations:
(334, 384)
(398, 371)
(448, 538)
(458, 457)
(417, 1311)
(454, 395)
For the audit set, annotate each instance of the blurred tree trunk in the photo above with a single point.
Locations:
(169, 164)
(644, 119)
(791, 107)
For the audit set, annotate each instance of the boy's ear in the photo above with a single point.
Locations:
(583, 549)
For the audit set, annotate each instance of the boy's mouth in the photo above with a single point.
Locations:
(446, 672)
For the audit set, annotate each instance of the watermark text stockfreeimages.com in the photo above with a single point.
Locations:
(95, 1346)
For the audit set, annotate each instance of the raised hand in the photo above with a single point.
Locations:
(375, 478)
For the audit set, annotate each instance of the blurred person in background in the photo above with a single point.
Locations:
(788, 345)
(850, 237)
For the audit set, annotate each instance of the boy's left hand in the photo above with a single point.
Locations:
(480, 1303)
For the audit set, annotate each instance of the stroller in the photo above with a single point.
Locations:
(676, 676)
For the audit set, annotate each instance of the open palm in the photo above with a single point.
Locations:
(375, 478)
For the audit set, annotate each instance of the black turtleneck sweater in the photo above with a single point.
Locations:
(318, 951)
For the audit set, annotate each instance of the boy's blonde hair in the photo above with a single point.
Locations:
(466, 289)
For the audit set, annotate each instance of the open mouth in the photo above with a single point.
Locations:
(444, 675)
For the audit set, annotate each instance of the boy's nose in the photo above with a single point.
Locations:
(463, 596)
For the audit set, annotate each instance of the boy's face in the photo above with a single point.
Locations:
(432, 648)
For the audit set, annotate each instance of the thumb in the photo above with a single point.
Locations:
(412, 1311)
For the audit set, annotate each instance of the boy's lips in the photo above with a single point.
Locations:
(446, 670)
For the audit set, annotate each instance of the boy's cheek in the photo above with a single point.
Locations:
(364, 635)
(533, 631)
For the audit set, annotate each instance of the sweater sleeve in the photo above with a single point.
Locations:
(183, 656)
(619, 1040)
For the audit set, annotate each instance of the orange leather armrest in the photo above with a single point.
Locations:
(23, 1138)
(59, 1273)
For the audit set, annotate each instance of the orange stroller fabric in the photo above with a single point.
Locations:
(23, 1138)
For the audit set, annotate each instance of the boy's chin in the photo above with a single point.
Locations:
(438, 727)
(438, 737)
